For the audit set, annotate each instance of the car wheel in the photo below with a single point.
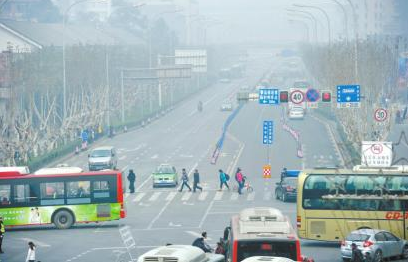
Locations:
(277, 194)
(404, 254)
(284, 197)
(378, 256)
(63, 219)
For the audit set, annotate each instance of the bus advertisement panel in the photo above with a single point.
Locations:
(61, 199)
(331, 202)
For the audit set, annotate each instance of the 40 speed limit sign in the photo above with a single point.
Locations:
(380, 115)
(297, 97)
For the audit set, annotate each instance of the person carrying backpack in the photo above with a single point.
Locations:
(356, 254)
(240, 180)
(223, 179)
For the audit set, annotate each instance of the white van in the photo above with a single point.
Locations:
(268, 259)
(102, 158)
(179, 253)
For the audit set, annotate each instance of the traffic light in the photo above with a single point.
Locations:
(283, 96)
(326, 97)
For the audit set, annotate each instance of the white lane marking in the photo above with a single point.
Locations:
(124, 168)
(234, 196)
(122, 157)
(251, 196)
(165, 206)
(267, 195)
(144, 182)
(202, 196)
(186, 196)
(170, 196)
(206, 214)
(139, 197)
(37, 243)
(154, 156)
(218, 195)
(155, 196)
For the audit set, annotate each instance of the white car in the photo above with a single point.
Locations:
(296, 113)
(226, 106)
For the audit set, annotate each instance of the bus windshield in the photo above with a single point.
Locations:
(266, 248)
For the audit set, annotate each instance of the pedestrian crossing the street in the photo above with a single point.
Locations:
(210, 195)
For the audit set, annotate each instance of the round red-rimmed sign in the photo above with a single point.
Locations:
(380, 115)
(297, 97)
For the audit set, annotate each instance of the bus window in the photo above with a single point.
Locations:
(24, 194)
(101, 189)
(78, 192)
(5, 194)
(52, 193)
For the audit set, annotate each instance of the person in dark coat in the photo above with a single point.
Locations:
(196, 181)
(132, 178)
(200, 243)
(356, 254)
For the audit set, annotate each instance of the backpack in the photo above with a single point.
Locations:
(227, 177)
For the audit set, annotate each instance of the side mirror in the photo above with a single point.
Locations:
(277, 183)
(226, 233)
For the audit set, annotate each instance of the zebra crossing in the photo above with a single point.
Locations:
(152, 196)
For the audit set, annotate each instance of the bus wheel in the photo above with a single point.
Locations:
(63, 219)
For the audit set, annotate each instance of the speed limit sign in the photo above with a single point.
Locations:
(297, 97)
(380, 115)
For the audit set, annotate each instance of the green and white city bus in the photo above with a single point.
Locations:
(61, 199)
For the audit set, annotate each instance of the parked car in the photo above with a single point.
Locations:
(296, 113)
(165, 175)
(379, 244)
(286, 189)
(102, 158)
(226, 106)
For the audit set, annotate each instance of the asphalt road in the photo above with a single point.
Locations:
(186, 138)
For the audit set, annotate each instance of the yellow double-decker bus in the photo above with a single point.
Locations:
(333, 202)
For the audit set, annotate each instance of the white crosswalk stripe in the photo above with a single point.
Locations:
(139, 197)
(251, 196)
(218, 195)
(267, 195)
(203, 196)
(186, 196)
(170, 196)
(234, 196)
(155, 196)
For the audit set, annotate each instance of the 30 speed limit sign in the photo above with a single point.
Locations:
(380, 115)
(297, 97)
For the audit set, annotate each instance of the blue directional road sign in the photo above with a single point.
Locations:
(269, 96)
(267, 132)
(348, 94)
(312, 95)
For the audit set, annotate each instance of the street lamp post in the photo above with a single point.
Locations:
(355, 40)
(345, 18)
(305, 25)
(64, 79)
(324, 13)
(309, 17)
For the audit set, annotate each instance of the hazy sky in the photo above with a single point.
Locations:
(266, 20)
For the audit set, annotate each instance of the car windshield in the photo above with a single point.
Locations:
(164, 170)
(100, 153)
(357, 237)
(291, 182)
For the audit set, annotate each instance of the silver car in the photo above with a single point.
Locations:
(378, 244)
